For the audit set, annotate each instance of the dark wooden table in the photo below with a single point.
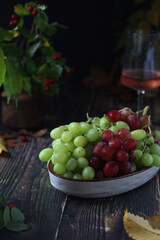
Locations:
(53, 215)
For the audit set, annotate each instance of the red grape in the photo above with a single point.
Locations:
(129, 144)
(107, 153)
(99, 174)
(124, 168)
(123, 134)
(97, 148)
(115, 143)
(111, 169)
(144, 120)
(133, 122)
(96, 163)
(124, 114)
(122, 156)
(114, 116)
(132, 156)
(107, 135)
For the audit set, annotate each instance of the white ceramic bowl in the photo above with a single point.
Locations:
(101, 187)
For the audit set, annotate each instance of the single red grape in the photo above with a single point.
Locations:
(96, 162)
(114, 116)
(107, 153)
(123, 134)
(124, 114)
(107, 135)
(122, 156)
(111, 169)
(124, 168)
(144, 120)
(115, 143)
(97, 148)
(99, 174)
(133, 122)
(132, 156)
(129, 144)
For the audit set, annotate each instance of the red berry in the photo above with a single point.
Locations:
(16, 21)
(52, 80)
(23, 138)
(132, 156)
(123, 134)
(97, 148)
(96, 163)
(11, 206)
(34, 12)
(71, 69)
(58, 56)
(124, 114)
(111, 169)
(129, 144)
(114, 116)
(99, 174)
(133, 122)
(107, 153)
(107, 135)
(14, 16)
(115, 143)
(11, 23)
(122, 156)
(144, 120)
(124, 168)
(54, 57)
(47, 88)
(30, 9)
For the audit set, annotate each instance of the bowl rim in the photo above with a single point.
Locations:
(96, 180)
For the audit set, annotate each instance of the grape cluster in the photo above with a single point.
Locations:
(118, 143)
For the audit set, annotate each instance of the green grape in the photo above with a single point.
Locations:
(121, 124)
(85, 127)
(55, 142)
(53, 160)
(155, 149)
(157, 132)
(88, 173)
(66, 136)
(147, 149)
(77, 176)
(79, 152)
(71, 164)
(95, 122)
(113, 128)
(61, 148)
(150, 140)
(74, 127)
(133, 167)
(140, 145)
(89, 151)
(92, 135)
(138, 153)
(68, 175)
(80, 141)
(45, 154)
(156, 160)
(147, 159)
(59, 168)
(82, 162)
(56, 132)
(138, 134)
(74, 135)
(70, 146)
(61, 157)
(104, 122)
(77, 170)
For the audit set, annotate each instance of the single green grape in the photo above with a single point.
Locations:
(77, 176)
(85, 127)
(61, 157)
(121, 124)
(80, 141)
(147, 159)
(66, 136)
(138, 153)
(61, 148)
(113, 128)
(140, 145)
(68, 174)
(133, 167)
(95, 122)
(92, 135)
(71, 164)
(59, 168)
(70, 145)
(74, 127)
(155, 149)
(55, 142)
(88, 173)
(156, 160)
(150, 140)
(82, 162)
(45, 154)
(104, 122)
(138, 134)
(89, 151)
(79, 152)
(56, 132)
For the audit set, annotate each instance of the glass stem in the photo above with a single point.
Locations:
(140, 94)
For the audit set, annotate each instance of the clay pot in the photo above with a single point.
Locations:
(26, 115)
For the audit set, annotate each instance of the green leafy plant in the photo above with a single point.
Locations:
(11, 217)
(28, 60)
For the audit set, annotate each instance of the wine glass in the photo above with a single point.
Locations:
(141, 67)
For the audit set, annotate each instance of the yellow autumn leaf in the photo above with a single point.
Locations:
(139, 228)
(2, 146)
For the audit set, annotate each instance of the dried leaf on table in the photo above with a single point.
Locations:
(139, 228)
(2, 145)
(12, 143)
(39, 133)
